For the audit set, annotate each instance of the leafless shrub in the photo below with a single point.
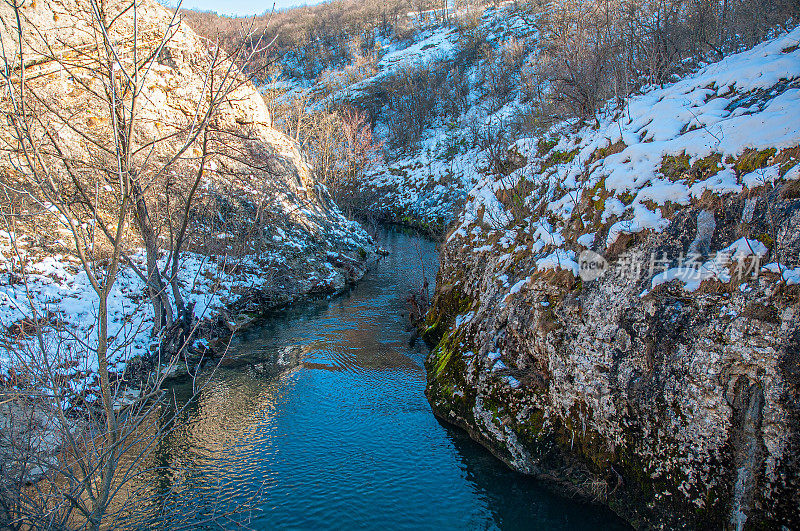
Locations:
(342, 149)
(593, 51)
(411, 103)
(501, 72)
(71, 450)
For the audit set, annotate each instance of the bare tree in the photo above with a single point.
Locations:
(122, 158)
(85, 148)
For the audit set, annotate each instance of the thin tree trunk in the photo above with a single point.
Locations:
(162, 309)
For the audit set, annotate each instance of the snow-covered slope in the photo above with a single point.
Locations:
(619, 314)
(729, 128)
(438, 44)
(261, 229)
(426, 183)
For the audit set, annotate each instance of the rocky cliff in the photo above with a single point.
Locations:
(618, 314)
(262, 230)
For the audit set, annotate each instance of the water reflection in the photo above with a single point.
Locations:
(318, 420)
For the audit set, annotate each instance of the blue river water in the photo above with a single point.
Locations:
(318, 420)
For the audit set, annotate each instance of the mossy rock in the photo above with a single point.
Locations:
(559, 157)
(442, 354)
(448, 303)
(766, 239)
(626, 197)
(445, 368)
(787, 159)
(543, 146)
(674, 167)
(752, 159)
(594, 200)
(704, 168)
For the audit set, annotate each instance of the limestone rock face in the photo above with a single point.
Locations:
(663, 380)
(257, 191)
(676, 408)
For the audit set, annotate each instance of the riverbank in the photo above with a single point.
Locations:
(226, 293)
(320, 409)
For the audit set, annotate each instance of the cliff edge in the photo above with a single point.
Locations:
(618, 313)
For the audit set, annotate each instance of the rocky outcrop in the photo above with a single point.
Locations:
(674, 408)
(262, 231)
(250, 164)
(672, 398)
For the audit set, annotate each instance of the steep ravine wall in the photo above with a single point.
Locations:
(674, 408)
(668, 386)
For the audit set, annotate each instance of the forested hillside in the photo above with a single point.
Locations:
(311, 39)
(431, 103)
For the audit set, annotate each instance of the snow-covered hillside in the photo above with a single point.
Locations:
(56, 290)
(729, 128)
(425, 184)
(617, 313)
(428, 183)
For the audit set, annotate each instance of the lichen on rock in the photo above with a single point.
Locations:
(670, 398)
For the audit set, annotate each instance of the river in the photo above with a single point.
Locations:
(318, 420)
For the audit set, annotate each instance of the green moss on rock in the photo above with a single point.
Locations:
(559, 157)
(543, 146)
(704, 168)
(674, 167)
(448, 303)
(752, 159)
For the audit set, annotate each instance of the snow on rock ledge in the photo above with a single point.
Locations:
(664, 384)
